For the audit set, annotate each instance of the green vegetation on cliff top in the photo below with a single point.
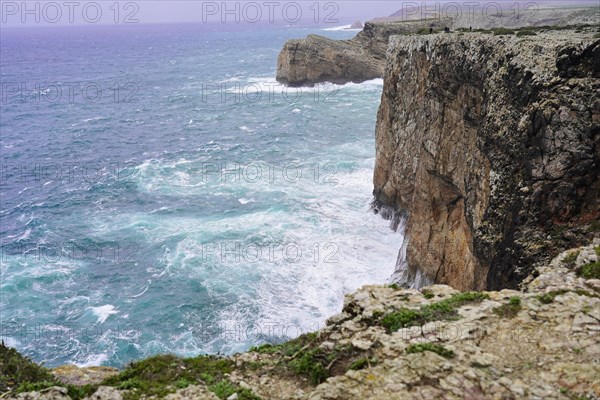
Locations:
(163, 374)
(510, 309)
(154, 376)
(442, 310)
(19, 374)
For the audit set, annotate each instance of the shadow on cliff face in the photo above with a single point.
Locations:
(491, 147)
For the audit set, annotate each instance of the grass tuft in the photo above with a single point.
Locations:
(433, 347)
(571, 258)
(548, 298)
(313, 364)
(590, 271)
(509, 310)
(442, 310)
(502, 31)
(363, 362)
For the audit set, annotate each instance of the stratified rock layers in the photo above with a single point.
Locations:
(491, 145)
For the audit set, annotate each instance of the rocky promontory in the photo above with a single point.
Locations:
(316, 59)
(489, 144)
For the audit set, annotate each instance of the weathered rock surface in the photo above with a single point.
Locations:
(51, 393)
(316, 59)
(71, 374)
(491, 146)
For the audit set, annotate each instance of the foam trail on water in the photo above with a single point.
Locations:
(405, 275)
(93, 360)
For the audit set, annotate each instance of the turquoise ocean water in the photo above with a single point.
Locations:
(160, 192)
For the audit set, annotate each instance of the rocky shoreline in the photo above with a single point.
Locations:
(318, 59)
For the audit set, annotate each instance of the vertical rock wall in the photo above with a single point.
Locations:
(491, 145)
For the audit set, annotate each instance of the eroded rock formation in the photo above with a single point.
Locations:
(491, 146)
(316, 59)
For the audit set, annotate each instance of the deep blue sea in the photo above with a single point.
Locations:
(160, 192)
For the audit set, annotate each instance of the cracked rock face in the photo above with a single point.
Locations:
(491, 146)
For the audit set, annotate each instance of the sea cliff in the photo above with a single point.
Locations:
(489, 144)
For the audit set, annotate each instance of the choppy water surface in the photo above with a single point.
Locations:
(174, 198)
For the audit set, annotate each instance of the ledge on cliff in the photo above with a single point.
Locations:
(491, 145)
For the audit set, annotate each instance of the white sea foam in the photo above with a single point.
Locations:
(135, 296)
(103, 312)
(10, 342)
(93, 360)
(371, 84)
(25, 235)
(95, 119)
(232, 79)
(342, 28)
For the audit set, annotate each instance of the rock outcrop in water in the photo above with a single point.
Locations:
(392, 343)
(316, 59)
(491, 146)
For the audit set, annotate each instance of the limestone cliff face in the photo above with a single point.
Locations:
(316, 59)
(491, 146)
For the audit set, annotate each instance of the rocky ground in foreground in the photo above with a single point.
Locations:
(387, 343)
